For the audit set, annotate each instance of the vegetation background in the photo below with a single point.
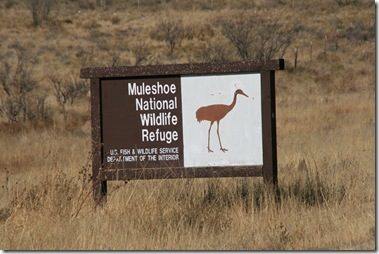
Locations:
(325, 125)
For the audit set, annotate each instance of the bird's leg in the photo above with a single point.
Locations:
(209, 132)
(219, 139)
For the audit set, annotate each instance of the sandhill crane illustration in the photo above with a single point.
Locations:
(215, 113)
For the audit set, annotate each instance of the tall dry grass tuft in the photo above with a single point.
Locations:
(240, 213)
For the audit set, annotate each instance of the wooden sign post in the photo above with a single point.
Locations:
(183, 121)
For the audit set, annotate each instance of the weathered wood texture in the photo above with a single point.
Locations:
(181, 69)
(269, 127)
(99, 185)
(169, 173)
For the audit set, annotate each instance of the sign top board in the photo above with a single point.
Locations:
(182, 69)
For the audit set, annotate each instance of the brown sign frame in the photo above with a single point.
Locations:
(269, 169)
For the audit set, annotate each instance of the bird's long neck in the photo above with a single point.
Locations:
(231, 106)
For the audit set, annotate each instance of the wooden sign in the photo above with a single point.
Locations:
(180, 121)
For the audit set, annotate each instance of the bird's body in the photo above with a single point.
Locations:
(214, 113)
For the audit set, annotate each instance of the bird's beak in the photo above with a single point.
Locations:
(245, 94)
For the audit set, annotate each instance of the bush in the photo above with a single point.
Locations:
(9, 4)
(104, 3)
(115, 58)
(67, 91)
(141, 52)
(216, 51)
(171, 31)
(239, 32)
(256, 38)
(22, 99)
(21, 108)
(202, 32)
(360, 32)
(40, 10)
(115, 20)
(345, 2)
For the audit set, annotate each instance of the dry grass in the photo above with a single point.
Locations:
(325, 128)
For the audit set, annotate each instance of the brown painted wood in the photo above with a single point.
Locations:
(269, 127)
(181, 69)
(99, 185)
(170, 173)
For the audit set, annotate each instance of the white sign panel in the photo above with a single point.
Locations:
(222, 121)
